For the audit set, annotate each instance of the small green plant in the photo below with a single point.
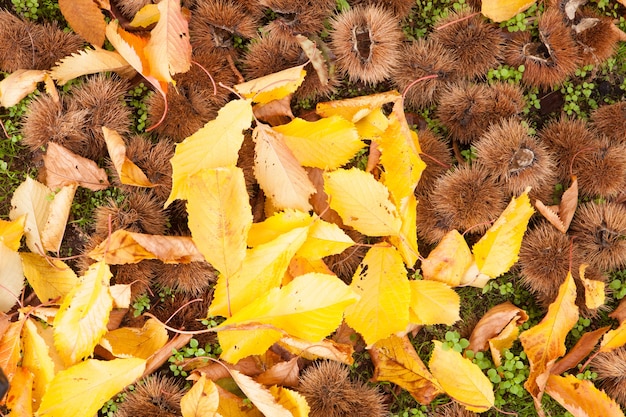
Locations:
(532, 100)
(141, 305)
(618, 284)
(469, 154)
(192, 350)
(86, 201)
(454, 341)
(109, 409)
(166, 295)
(580, 328)
(506, 73)
(504, 288)
(137, 100)
(522, 21)
(428, 13)
(578, 98)
(34, 9)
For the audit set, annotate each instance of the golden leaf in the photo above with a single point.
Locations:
(355, 109)
(220, 217)
(395, 360)
(146, 16)
(51, 279)
(85, 18)
(614, 339)
(325, 349)
(373, 125)
(82, 389)
(90, 61)
(362, 202)
(326, 143)
(433, 302)
(201, 400)
(232, 405)
(461, 379)
(581, 397)
(19, 397)
(10, 348)
(128, 172)
(324, 239)
(11, 232)
(64, 167)
(83, 316)
(406, 241)
(594, 290)
(501, 10)
(382, 284)
(449, 261)
(502, 341)
(276, 225)
(37, 360)
(131, 342)
(293, 401)
(498, 249)
(215, 145)
(545, 342)
(251, 340)
(273, 86)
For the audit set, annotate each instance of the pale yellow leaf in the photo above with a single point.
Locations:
(90, 61)
(449, 261)
(406, 240)
(461, 379)
(64, 167)
(83, 316)
(263, 268)
(12, 282)
(355, 109)
(395, 360)
(278, 172)
(58, 212)
(316, 57)
(293, 401)
(121, 294)
(132, 342)
(50, 278)
(594, 290)
(324, 239)
(259, 396)
(11, 232)
(19, 397)
(273, 86)
(220, 217)
(581, 397)
(362, 202)
(202, 400)
(18, 85)
(36, 358)
(82, 389)
(433, 302)
(498, 249)
(277, 224)
(215, 145)
(326, 143)
(146, 16)
(501, 10)
(31, 199)
(382, 284)
(128, 172)
(325, 349)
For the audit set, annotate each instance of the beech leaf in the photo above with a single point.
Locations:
(406, 240)
(324, 239)
(325, 349)
(64, 167)
(201, 400)
(385, 293)
(284, 373)
(395, 360)
(11, 232)
(461, 379)
(562, 218)
(362, 202)
(82, 389)
(51, 279)
(614, 339)
(433, 302)
(86, 19)
(10, 348)
(449, 260)
(273, 86)
(581, 397)
(500, 10)
(355, 109)
(146, 16)
(277, 224)
(90, 61)
(128, 172)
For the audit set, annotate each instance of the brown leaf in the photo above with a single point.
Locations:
(274, 113)
(86, 19)
(128, 172)
(493, 322)
(64, 167)
(581, 349)
(18, 85)
(562, 215)
(283, 373)
(619, 313)
(161, 356)
(581, 397)
(319, 200)
(315, 56)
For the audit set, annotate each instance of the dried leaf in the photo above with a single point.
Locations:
(128, 172)
(90, 61)
(315, 56)
(433, 302)
(594, 290)
(259, 396)
(64, 167)
(201, 400)
(50, 278)
(492, 324)
(12, 278)
(132, 342)
(283, 373)
(500, 10)
(84, 388)
(19, 398)
(293, 401)
(355, 109)
(395, 360)
(327, 143)
(18, 85)
(461, 379)
(581, 350)
(325, 349)
(83, 316)
(162, 355)
(278, 172)
(581, 397)
(382, 284)
(562, 217)
(273, 86)
(274, 113)
(215, 145)
(362, 202)
(449, 261)
(86, 19)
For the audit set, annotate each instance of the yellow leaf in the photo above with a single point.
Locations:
(238, 344)
(362, 202)
(232, 405)
(325, 349)
(493, 323)
(201, 400)
(36, 359)
(215, 145)
(581, 397)
(310, 307)
(146, 16)
(84, 388)
(372, 125)
(273, 86)
(19, 397)
(355, 109)
(395, 360)
(326, 143)
(614, 339)
(220, 217)
(124, 247)
(382, 284)
(324, 239)
(18, 85)
(461, 379)
(50, 278)
(12, 278)
(449, 261)
(128, 172)
(259, 396)
(11, 232)
(501, 10)
(433, 302)
(59, 210)
(263, 269)
(406, 241)
(293, 401)
(498, 249)
(131, 342)
(276, 225)
(300, 266)
(594, 290)
(83, 316)
(545, 342)
(503, 341)
(90, 61)
(278, 172)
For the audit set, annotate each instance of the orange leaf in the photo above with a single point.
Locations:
(85, 18)
(449, 261)
(562, 217)
(64, 167)
(19, 397)
(283, 373)
(395, 360)
(581, 397)
(493, 322)
(619, 313)
(10, 347)
(581, 349)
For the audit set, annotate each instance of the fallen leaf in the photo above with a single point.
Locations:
(292, 400)
(385, 293)
(362, 202)
(325, 349)
(36, 358)
(493, 322)
(121, 294)
(162, 355)
(82, 318)
(315, 56)
(373, 125)
(86, 19)
(594, 290)
(277, 224)
(64, 167)
(202, 400)
(274, 113)
(18, 85)
(562, 217)
(581, 350)
(10, 348)
(82, 389)
(51, 279)
(19, 398)
(278, 172)
(12, 278)
(132, 342)
(614, 339)
(545, 342)
(232, 405)
(213, 146)
(461, 379)
(283, 373)
(127, 171)
(581, 397)
(259, 396)
(355, 109)
(58, 212)
(433, 302)
(499, 10)
(449, 261)
(11, 232)
(406, 240)
(395, 360)
(90, 61)
(146, 16)
(503, 341)
(324, 239)
(619, 313)
(273, 86)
